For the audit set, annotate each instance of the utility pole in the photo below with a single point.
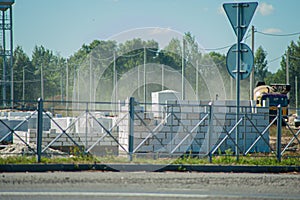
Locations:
(253, 69)
(162, 76)
(23, 92)
(115, 84)
(61, 86)
(145, 92)
(197, 80)
(287, 71)
(90, 77)
(67, 86)
(138, 81)
(296, 94)
(183, 70)
(42, 82)
(287, 67)
(78, 89)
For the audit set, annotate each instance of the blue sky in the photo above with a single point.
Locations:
(64, 25)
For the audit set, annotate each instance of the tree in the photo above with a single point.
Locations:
(47, 69)
(260, 64)
(22, 69)
(293, 52)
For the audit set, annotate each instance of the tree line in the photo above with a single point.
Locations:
(52, 76)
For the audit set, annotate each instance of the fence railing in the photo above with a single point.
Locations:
(125, 128)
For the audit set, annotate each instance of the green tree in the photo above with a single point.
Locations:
(260, 64)
(293, 52)
(46, 68)
(22, 69)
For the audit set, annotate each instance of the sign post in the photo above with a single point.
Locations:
(239, 15)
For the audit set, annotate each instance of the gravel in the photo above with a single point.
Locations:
(22, 149)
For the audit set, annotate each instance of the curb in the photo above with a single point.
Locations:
(146, 168)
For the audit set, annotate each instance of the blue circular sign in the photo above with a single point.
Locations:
(246, 62)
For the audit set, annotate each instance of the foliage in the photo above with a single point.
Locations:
(260, 64)
(293, 58)
(54, 69)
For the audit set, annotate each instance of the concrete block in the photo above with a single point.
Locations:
(146, 149)
(23, 135)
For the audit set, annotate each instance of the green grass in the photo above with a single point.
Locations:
(243, 160)
(188, 160)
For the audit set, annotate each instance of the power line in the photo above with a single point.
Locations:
(215, 49)
(279, 35)
(275, 59)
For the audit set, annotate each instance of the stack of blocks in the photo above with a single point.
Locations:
(179, 129)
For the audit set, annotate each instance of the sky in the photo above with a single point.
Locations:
(63, 26)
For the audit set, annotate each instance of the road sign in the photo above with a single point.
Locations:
(247, 61)
(245, 14)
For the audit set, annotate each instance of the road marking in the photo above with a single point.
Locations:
(142, 194)
(104, 194)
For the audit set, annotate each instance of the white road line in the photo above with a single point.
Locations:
(127, 194)
(103, 194)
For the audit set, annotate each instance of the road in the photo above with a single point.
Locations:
(148, 185)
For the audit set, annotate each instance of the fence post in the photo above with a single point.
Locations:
(245, 130)
(39, 130)
(210, 123)
(86, 126)
(131, 127)
(171, 123)
(279, 122)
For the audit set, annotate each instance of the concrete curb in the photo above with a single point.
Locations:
(146, 168)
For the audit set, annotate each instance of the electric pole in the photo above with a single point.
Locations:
(287, 71)
(42, 82)
(183, 70)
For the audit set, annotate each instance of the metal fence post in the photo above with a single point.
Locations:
(131, 127)
(39, 130)
(279, 122)
(245, 130)
(210, 123)
(171, 128)
(86, 126)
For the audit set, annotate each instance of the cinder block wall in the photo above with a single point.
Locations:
(76, 129)
(179, 131)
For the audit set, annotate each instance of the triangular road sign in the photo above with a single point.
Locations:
(247, 10)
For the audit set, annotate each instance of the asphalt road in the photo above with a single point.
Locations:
(148, 185)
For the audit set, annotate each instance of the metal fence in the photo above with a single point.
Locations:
(131, 128)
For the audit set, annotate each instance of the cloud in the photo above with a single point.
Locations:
(265, 9)
(272, 30)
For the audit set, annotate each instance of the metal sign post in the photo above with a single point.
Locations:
(238, 67)
(239, 15)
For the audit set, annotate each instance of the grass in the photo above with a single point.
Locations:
(184, 160)
(227, 158)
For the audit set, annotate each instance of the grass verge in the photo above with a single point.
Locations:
(190, 160)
